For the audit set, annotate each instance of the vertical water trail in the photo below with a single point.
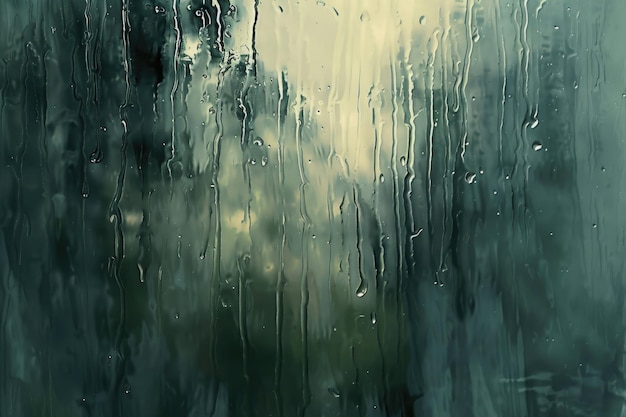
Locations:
(304, 235)
(429, 85)
(410, 176)
(216, 212)
(87, 103)
(469, 36)
(363, 287)
(220, 29)
(174, 90)
(279, 284)
(530, 118)
(115, 212)
(396, 186)
(593, 76)
(378, 180)
(242, 309)
(502, 59)
(280, 274)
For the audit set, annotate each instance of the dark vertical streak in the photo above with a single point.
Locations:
(254, 30)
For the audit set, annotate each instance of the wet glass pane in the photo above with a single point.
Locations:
(312, 208)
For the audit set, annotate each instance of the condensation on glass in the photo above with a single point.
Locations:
(312, 208)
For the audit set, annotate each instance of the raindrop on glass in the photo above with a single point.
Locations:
(96, 156)
(362, 290)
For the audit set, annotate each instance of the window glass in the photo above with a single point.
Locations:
(312, 208)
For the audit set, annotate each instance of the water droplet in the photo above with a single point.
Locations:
(126, 389)
(365, 17)
(96, 156)
(537, 146)
(382, 178)
(189, 7)
(362, 290)
(334, 392)
(258, 141)
(176, 316)
(159, 9)
(373, 318)
(252, 161)
(595, 226)
(470, 177)
(85, 190)
(476, 37)
(422, 20)
(403, 160)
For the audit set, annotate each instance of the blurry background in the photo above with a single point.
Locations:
(312, 208)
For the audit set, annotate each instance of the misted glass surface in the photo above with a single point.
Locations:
(312, 208)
